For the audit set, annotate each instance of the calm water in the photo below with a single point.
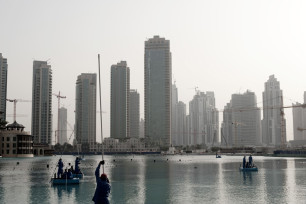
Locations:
(194, 179)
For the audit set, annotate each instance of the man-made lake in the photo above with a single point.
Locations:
(170, 179)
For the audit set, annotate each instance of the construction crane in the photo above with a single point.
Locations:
(15, 103)
(58, 100)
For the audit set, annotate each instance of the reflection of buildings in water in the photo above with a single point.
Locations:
(291, 181)
(157, 182)
(132, 175)
(274, 180)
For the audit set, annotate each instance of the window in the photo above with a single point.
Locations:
(7, 151)
(8, 145)
(14, 151)
(14, 144)
(14, 139)
(8, 139)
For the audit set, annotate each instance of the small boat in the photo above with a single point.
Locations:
(80, 175)
(59, 181)
(254, 168)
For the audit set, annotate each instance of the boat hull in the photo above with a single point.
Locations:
(248, 169)
(56, 181)
(78, 175)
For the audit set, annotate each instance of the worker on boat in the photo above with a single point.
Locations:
(64, 176)
(71, 169)
(250, 161)
(60, 168)
(77, 168)
(243, 162)
(69, 174)
(103, 187)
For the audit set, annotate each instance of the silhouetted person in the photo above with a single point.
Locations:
(250, 160)
(103, 187)
(69, 174)
(243, 162)
(60, 168)
(77, 168)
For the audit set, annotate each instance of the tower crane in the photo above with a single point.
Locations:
(59, 96)
(15, 103)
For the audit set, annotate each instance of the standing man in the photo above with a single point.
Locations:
(103, 187)
(60, 168)
(243, 162)
(77, 168)
(251, 161)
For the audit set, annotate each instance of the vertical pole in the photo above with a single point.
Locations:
(15, 101)
(101, 112)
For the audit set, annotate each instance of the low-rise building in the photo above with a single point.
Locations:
(15, 142)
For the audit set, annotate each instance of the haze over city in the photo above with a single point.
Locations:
(221, 46)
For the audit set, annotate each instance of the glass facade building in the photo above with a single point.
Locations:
(157, 98)
(42, 103)
(3, 87)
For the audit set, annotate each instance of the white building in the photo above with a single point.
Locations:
(42, 103)
(157, 98)
(62, 132)
(273, 128)
(204, 120)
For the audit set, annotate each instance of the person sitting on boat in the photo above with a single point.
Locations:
(243, 162)
(103, 187)
(60, 168)
(64, 176)
(71, 169)
(69, 174)
(250, 161)
(77, 168)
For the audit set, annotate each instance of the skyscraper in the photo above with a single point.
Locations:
(62, 132)
(241, 121)
(42, 103)
(134, 113)
(120, 99)
(85, 110)
(204, 120)
(181, 128)
(3, 87)
(299, 121)
(174, 118)
(157, 65)
(273, 127)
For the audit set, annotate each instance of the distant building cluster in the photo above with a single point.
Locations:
(167, 120)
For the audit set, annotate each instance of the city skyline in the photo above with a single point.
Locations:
(213, 48)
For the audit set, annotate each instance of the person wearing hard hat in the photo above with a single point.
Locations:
(103, 187)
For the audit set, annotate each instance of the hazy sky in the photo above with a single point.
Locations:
(221, 46)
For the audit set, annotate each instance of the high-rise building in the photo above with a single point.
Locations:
(42, 103)
(241, 121)
(157, 100)
(174, 118)
(181, 128)
(120, 100)
(85, 110)
(62, 132)
(299, 121)
(3, 87)
(134, 113)
(273, 126)
(204, 120)
(141, 128)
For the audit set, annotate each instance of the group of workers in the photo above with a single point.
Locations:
(68, 173)
(248, 164)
